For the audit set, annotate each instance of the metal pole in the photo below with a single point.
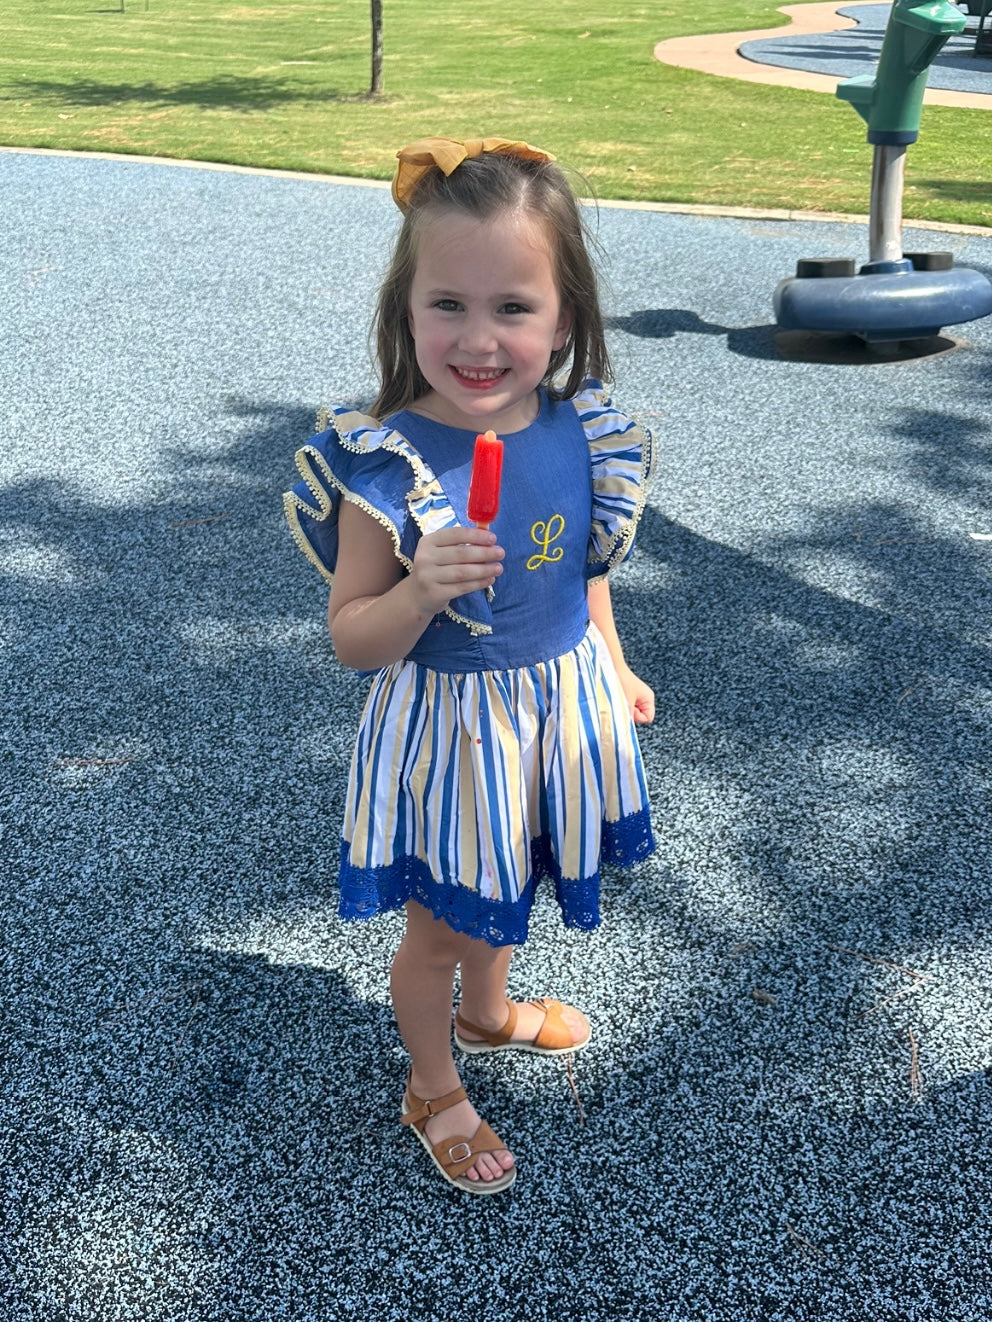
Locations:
(885, 227)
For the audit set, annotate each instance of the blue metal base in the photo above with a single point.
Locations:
(883, 305)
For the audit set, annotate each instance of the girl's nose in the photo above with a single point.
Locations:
(478, 336)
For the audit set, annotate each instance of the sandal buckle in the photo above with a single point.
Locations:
(459, 1152)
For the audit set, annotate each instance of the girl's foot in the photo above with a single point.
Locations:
(459, 1121)
(544, 1026)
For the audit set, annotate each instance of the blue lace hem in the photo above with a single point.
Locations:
(366, 892)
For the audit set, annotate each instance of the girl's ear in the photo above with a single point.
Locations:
(563, 328)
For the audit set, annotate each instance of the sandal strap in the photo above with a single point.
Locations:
(498, 1038)
(554, 1035)
(457, 1154)
(421, 1110)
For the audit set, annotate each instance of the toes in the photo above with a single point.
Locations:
(463, 1118)
(491, 1166)
(577, 1023)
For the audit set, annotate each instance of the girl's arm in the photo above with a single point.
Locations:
(376, 613)
(639, 695)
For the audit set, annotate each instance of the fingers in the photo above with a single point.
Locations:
(643, 708)
(643, 716)
(462, 562)
(462, 546)
(640, 697)
(470, 542)
(463, 533)
(455, 561)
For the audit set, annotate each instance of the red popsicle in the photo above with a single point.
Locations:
(483, 490)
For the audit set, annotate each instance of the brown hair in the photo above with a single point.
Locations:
(483, 187)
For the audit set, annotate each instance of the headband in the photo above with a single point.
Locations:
(447, 154)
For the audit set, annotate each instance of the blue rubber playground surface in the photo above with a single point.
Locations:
(854, 52)
(787, 1102)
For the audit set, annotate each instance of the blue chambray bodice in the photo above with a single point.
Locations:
(574, 486)
(538, 605)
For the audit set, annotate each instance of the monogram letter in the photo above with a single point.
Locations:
(542, 535)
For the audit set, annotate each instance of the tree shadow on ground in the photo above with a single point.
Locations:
(222, 92)
(821, 778)
(202, 1072)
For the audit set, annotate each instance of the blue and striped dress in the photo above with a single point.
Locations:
(500, 751)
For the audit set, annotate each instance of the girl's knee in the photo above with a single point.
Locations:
(432, 940)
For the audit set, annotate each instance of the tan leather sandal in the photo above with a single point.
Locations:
(553, 1039)
(454, 1156)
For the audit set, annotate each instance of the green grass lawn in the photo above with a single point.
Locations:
(282, 83)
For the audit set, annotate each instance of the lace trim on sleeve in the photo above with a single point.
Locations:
(339, 464)
(621, 454)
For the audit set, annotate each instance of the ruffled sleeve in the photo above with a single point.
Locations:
(369, 464)
(621, 455)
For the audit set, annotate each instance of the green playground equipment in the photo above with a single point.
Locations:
(905, 296)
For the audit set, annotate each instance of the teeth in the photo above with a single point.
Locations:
(490, 375)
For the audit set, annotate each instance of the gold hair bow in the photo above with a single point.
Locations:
(447, 154)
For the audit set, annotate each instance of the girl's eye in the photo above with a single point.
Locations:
(447, 305)
(513, 309)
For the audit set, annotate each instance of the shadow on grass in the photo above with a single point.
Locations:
(960, 190)
(225, 92)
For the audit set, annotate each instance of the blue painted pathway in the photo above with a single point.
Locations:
(787, 1104)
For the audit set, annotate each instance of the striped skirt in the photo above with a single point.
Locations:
(467, 789)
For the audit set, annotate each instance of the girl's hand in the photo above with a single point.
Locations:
(640, 696)
(452, 562)
(376, 613)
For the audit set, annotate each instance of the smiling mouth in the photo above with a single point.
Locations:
(479, 376)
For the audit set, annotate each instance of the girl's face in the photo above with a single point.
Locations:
(485, 316)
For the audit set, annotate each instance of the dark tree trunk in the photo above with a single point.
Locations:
(376, 87)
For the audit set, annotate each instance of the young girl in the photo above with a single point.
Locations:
(497, 744)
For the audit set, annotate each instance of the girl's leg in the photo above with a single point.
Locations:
(484, 973)
(422, 986)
